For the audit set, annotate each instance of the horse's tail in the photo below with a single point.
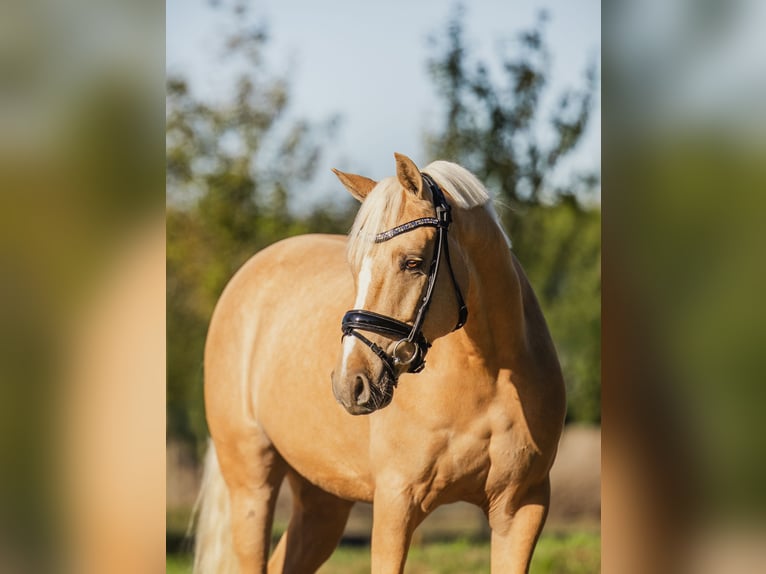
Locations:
(213, 547)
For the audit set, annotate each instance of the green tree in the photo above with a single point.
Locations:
(497, 129)
(231, 168)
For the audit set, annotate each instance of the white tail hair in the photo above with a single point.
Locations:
(213, 547)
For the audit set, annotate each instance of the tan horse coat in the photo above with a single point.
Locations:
(481, 423)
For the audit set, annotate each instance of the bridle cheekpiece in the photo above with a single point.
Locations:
(411, 348)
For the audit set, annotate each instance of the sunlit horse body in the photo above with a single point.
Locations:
(480, 423)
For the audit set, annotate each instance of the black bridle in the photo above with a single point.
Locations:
(412, 346)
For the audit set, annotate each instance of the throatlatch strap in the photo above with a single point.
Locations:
(462, 311)
(444, 214)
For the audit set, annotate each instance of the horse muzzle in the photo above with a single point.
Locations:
(359, 395)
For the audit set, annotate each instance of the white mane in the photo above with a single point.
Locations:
(464, 189)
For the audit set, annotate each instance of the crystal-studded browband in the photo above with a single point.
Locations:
(398, 230)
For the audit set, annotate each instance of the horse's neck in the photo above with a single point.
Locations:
(495, 297)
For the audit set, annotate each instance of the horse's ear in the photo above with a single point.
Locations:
(408, 174)
(357, 185)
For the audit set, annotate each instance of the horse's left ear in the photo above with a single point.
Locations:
(408, 174)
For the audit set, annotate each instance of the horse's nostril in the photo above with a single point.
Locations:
(361, 390)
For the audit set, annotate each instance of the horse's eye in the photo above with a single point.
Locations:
(412, 264)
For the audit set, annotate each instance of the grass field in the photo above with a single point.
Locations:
(573, 553)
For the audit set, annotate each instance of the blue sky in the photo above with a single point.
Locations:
(366, 62)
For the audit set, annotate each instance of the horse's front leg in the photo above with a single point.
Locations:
(516, 522)
(395, 517)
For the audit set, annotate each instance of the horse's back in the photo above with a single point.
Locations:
(284, 266)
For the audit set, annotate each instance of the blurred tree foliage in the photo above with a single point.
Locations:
(497, 130)
(234, 165)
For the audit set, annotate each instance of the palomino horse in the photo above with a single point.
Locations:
(479, 421)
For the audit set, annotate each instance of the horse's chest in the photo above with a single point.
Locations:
(472, 449)
(474, 464)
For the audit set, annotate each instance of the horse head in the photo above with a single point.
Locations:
(410, 275)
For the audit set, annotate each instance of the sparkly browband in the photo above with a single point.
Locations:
(422, 222)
